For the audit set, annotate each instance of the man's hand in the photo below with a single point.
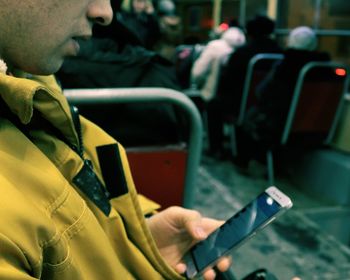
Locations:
(176, 230)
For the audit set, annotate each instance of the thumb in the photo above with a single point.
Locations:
(193, 223)
(201, 227)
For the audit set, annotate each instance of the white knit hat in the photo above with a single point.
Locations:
(302, 38)
(234, 37)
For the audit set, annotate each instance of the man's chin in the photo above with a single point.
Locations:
(45, 70)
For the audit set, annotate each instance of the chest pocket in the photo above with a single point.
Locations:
(70, 216)
(61, 269)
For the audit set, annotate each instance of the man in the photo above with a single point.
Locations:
(264, 123)
(140, 17)
(259, 30)
(231, 81)
(69, 210)
(206, 69)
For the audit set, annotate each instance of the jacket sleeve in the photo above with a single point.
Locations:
(148, 207)
(13, 262)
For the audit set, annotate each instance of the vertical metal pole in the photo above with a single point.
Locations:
(270, 170)
(272, 9)
(242, 12)
(317, 14)
(216, 12)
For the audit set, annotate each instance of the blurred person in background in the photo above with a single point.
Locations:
(259, 32)
(115, 58)
(170, 26)
(207, 66)
(141, 18)
(206, 74)
(262, 128)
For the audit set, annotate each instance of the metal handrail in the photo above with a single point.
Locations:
(154, 95)
(318, 32)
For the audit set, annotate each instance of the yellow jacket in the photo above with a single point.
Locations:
(49, 228)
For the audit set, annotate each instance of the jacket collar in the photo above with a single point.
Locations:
(24, 92)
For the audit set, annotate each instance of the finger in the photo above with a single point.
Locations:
(224, 263)
(209, 225)
(194, 225)
(180, 268)
(200, 228)
(209, 274)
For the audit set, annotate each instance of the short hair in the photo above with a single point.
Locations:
(260, 26)
(166, 8)
(302, 38)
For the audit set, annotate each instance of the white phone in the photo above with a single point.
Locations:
(236, 230)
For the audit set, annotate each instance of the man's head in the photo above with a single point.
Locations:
(36, 35)
(166, 8)
(260, 26)
(234, 37)
(302, 38)
(139, 6)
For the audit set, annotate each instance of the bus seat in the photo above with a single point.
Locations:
(170, 165)
(258, 68)
(315, 107)
(165, 173)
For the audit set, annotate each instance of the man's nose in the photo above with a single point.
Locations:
(100, 12)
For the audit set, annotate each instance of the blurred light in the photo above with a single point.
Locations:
(224, 26)
(269, 201)
(340, 72)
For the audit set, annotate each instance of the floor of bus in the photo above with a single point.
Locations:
(291, 246)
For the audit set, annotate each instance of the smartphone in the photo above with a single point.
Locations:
(236, 230)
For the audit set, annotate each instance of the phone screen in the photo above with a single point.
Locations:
(236, 229)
